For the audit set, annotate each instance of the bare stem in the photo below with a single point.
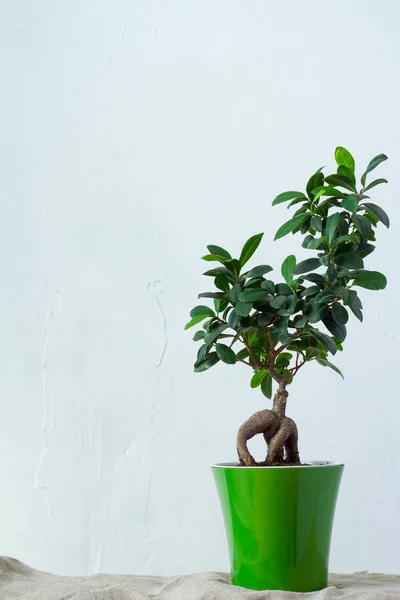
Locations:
(250, 351)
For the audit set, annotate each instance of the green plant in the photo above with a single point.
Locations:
(277, 325)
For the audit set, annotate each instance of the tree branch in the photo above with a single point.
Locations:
(295, 369)
(245, 363)
(250, 351)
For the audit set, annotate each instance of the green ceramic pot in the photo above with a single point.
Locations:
(278, 523)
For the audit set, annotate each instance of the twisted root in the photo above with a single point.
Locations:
(280, 434)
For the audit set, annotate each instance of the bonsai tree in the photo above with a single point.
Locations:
(276, 328)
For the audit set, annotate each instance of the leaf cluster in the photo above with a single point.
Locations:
(275, 327)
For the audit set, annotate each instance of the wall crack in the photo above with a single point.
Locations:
(40, 485)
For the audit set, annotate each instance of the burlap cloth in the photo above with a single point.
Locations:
(20, 582)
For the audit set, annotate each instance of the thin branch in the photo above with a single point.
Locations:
(271, 345)
(245, 363)
(295, 369)
(250, 351)
(281, 349)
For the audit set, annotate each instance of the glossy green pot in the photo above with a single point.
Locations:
(278, 523)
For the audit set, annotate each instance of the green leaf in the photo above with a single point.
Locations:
(243, 308)
(378, 212)
(287, 268)
(233, 294)
(215, 333)
(338, 343)
(290, 225)
(365, 250)
(327, 190)
(254, 282)
(252, 295)
(195, 321)
(311, 291)
(304, 227)
(300, 321)
(317, 243)
(357, 312)
(269, 286)
(207, 324)
(312, 353)
(207, 363)
(242, 354)
(325, 340)
(202, 353)
(290, 307)
(266, 386)
(349, 260)
(285, 196)
(331, 273)
(283, 359)
(222, 283)
(199, 335)
(343, 157)
(218, 295)
(233, 319)
(258, 271)
(341, 181)
(234, 267)
(287, 376)
(315, 278)
(220, 271)
(305, 266)
(350, 297)
(278, 302)
(325, 296)
(204, 311)
(346, 238)
(282, 289)
(257, 378)
(340, 314)
(296, 201)
(220, 305)
(214, 258)
(342, 170)
(372, 165)
(264, 319)
(316, 223)
(249, 248)
(363, 225)
(226, 354)
(350, 203)
(315, 181)
(332, 223)
(371, 280)
(374, 183)
(218, 251)
(339, 331)
(326, 363)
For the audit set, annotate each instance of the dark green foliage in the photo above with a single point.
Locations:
(266, 386)
(282, 325)
(226, 354)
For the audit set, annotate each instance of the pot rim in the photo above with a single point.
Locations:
(308, 464)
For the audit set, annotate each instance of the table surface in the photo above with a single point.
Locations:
(20, 582)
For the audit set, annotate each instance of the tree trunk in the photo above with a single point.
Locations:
(279, 431)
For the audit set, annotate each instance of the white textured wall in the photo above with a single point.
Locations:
(132, 134)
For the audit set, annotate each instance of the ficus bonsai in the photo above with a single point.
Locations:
(276, 328)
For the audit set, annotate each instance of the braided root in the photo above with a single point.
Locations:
(280, 434)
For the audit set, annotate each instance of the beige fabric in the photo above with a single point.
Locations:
(20, 582)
